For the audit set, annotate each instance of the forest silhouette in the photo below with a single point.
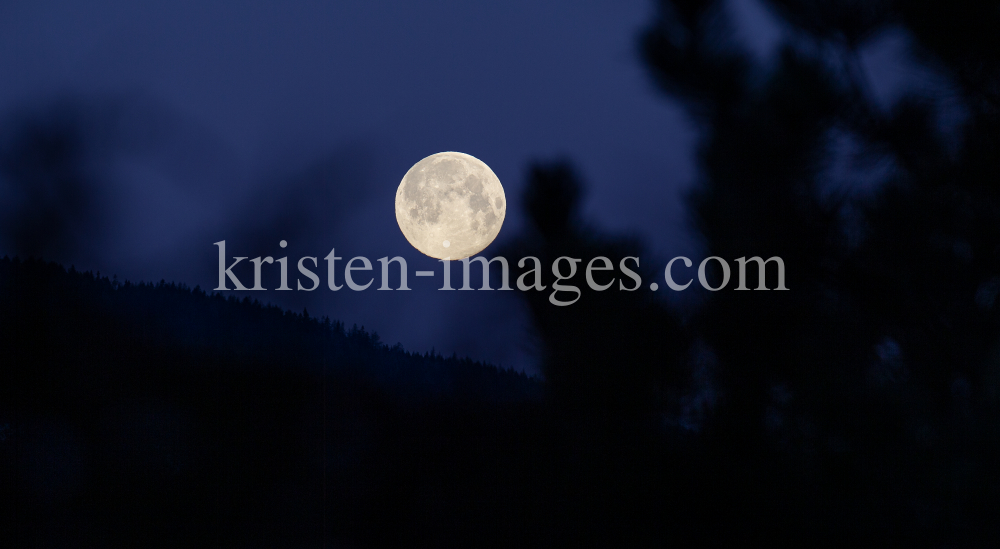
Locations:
(860, 407)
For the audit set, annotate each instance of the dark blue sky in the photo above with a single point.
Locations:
(254, 122)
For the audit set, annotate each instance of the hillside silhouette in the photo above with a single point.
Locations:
(154, 414)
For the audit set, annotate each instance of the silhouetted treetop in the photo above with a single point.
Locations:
(552, 201)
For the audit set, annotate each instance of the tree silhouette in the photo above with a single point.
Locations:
(612, 353)
(872, 379)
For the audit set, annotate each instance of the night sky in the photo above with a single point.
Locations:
(253, 122)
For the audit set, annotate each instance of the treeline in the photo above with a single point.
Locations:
(159, 415)
(216, 329)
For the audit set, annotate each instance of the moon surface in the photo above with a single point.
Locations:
(450, 205)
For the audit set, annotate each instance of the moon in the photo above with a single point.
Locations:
(450, 205)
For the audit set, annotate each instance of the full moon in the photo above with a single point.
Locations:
(450, 205)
